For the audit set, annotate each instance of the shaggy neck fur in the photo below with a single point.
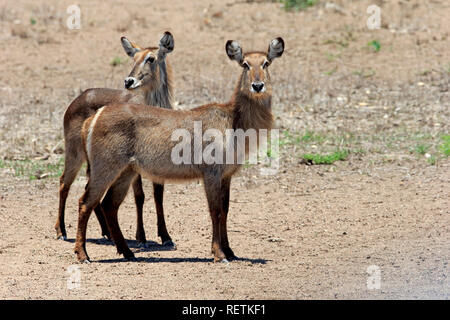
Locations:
(250, 111)
(162, 96)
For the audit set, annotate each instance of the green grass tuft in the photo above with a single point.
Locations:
(34, 169)
(375, 45)
(339, 155)
(445, 146)
(116, 61)
(297, 4)
(421, 149)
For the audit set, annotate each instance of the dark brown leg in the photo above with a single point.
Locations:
(95, 188)
(98, 211)
(110, 204)
(71, 167)
(101, 219)
(158, 192)
(213, 195)
(225, 190)
(86, 204)
(139, 198)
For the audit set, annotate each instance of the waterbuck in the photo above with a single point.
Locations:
(149, 83)
(123, 140)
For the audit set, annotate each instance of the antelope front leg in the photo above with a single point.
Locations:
(166, 240)
(213, 195)
(225, 191)
(139, 198)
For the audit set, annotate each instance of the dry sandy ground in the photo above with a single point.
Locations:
(309, 232)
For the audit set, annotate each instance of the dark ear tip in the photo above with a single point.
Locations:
(122, 38)
(168, 33)
(280, 39)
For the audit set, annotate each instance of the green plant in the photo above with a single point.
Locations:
(421, 149)
(447, 68)
(445, 146)
(341, 42)
(116, 61)
(338, 155)
(310, 136)
(432, 160)
(33, 21)
(365, 73)
(286, 138)
(34, 169)
(297, 4)
(375, 45)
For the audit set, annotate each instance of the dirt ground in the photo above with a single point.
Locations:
(308, 232)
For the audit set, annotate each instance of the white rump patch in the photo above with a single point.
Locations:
(91, 130)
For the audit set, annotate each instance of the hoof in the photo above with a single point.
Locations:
(130, 258)
(220, 259)
(230, 254)
(84, 261)
(64, 238)
(231, 258)
(106, 237)
(170, 244)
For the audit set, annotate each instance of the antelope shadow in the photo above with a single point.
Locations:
(178, 260)
(150, 245)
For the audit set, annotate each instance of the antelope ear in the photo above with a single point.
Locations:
(234, 51)
(129, 47)
(166, 45)
(276, 48)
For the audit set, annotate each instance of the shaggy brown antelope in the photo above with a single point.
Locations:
(123, 140)
(150, 83)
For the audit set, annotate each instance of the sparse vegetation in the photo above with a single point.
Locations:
(445, 146)
(297, 4)
(365, 73)
(374, 45)
(330, 72)
(116, 61)
(432, 160)
(421, 149)
(34, 169)
(338, 155)
(379, 106)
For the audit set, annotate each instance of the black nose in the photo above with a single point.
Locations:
(258, 86)
(129, 82)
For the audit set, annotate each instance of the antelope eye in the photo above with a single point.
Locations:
(265, 64)
(245, 65)
(150, 59)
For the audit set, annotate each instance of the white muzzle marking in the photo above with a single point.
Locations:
(136, 82)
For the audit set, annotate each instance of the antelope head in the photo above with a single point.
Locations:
(255, 79)
(149, 62)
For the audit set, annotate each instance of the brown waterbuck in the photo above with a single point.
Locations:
(123, 140)
(149, 83)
